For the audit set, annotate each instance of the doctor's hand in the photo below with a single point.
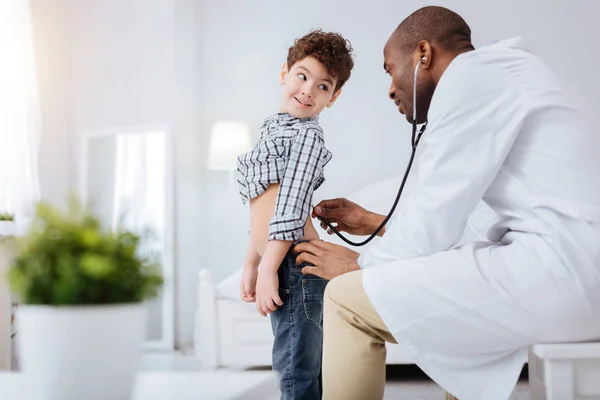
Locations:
(329, 260)
(347, 216)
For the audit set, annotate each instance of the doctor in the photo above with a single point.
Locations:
(500, 127)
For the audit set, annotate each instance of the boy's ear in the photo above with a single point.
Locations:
(284, 72)
(334, 98)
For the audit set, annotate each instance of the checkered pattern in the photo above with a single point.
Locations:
(291, 152)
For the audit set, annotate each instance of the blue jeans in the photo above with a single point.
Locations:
(298, 330)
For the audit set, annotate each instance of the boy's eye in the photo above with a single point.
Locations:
(302, 76)
(324, 87)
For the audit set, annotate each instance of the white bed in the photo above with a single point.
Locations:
(230, 333)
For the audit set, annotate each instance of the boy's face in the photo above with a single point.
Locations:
(307, 88)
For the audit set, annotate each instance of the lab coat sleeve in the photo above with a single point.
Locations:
(474, 119)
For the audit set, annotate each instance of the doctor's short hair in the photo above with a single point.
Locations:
(437, 25)
(330, 49)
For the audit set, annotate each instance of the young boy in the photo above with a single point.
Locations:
(278, 179)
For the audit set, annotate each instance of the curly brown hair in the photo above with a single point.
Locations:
(330, 49)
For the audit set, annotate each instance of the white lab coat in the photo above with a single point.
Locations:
(501, 128)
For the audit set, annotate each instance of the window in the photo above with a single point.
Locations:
(19, 112)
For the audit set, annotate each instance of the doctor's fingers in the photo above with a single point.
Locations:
(309, 247)
(329, 208)
(340, 227)
(307, 258)
(333, 222)
(321, 247)
(316, 270)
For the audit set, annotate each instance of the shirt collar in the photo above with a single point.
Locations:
(288, 119)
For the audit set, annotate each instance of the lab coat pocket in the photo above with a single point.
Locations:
(313, 289)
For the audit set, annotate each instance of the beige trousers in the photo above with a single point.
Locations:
(354, 339)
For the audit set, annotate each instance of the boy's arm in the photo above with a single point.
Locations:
(296, 188)
(274, 254)
(267, 284)
(252, 258)
(249, 275)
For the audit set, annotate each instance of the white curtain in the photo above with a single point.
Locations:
(19, 113)
(139, 202)
(139, 196)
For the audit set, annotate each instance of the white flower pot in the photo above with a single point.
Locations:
(82, 352)
(8, 228)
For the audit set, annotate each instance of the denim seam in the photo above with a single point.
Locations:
(292, 330)
(306, 303)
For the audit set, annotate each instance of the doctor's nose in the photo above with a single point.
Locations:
(392, 92)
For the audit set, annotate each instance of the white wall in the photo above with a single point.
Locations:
(188, 63)
(51, 33)
(122, 63)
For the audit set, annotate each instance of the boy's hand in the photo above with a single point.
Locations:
(248, 284)
(267, 291)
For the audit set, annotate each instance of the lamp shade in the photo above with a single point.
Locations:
(228, 140)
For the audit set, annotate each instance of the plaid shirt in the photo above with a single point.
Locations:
(291, 151)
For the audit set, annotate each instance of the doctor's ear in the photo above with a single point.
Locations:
(424, 52)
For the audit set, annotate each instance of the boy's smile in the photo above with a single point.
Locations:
(303, 103)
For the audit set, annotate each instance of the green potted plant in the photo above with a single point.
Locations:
(81, 289)
(7, 224)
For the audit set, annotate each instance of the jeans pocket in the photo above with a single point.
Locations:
(313, 290)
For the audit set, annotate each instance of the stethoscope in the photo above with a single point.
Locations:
(414, 142)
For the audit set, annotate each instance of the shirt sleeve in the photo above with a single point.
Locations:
(296, 187)
(474, 119)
